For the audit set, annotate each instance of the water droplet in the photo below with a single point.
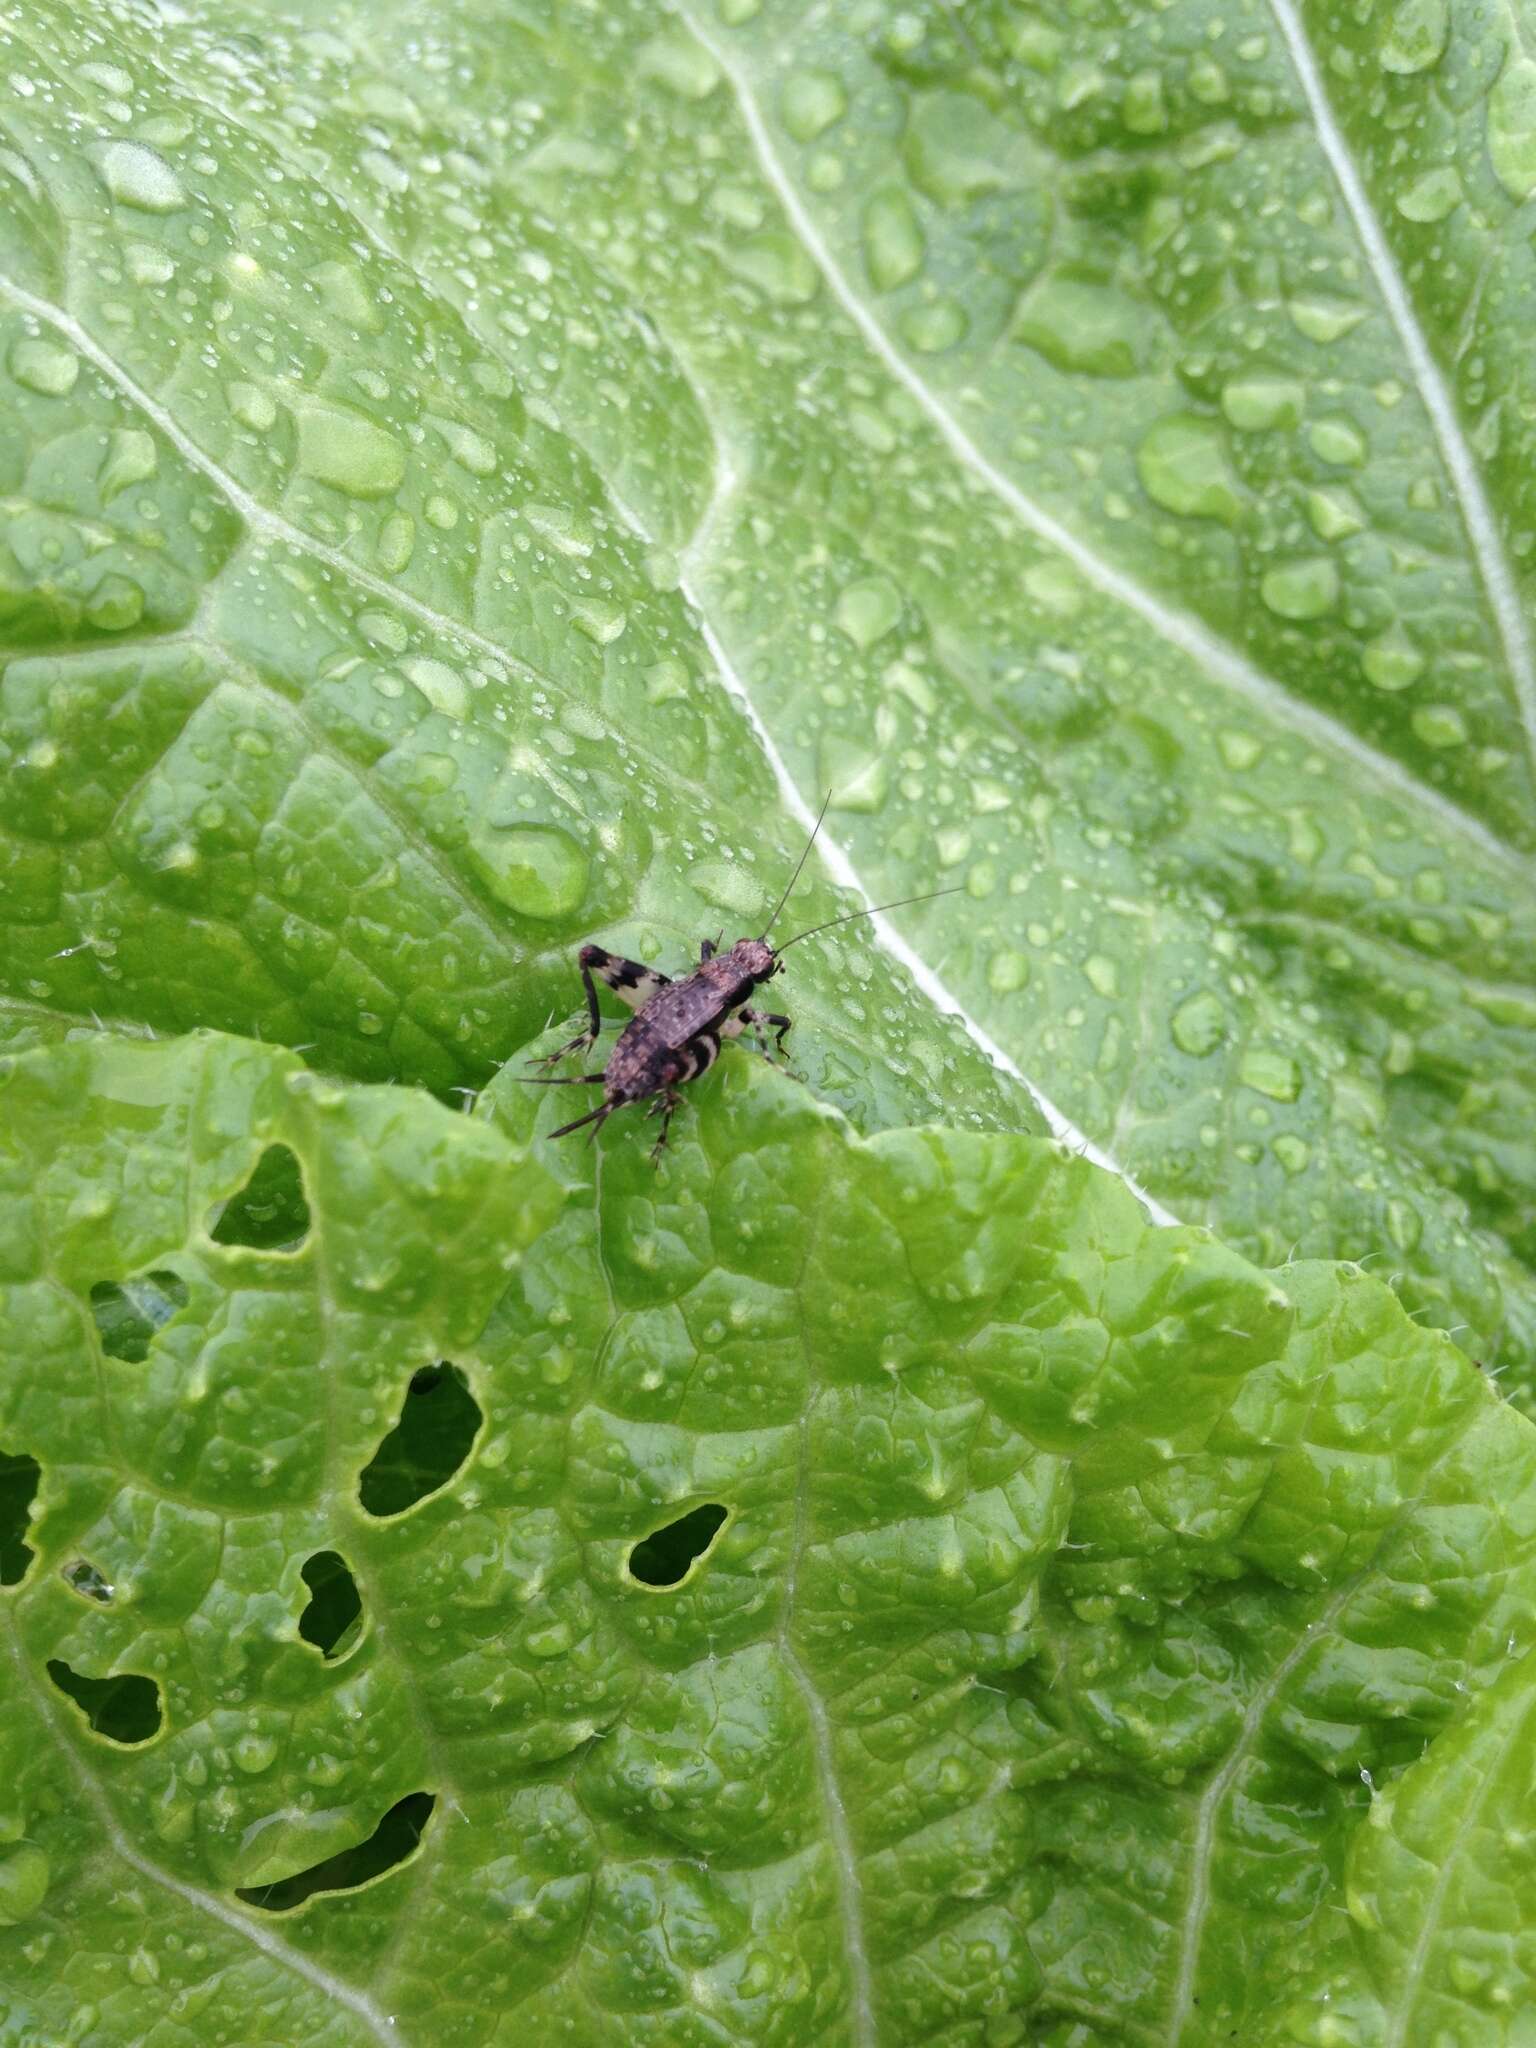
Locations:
(867, 611)
(1254, 403)
(1405, 1226)
(1391, 661)
(1084, 326)
(778, 264)
(1334, 513)
(680, 63)
(346, 451)
(1270, 1073)
(734, 12)
(470, 450)
(344, 292)
(255, 1753)
(566, 531)
(251, 406)
(553, 1641)
(665, 680)
(1321, 319)
(811, 102)
(537, 870)
(44, 365)
(1293, 1153)
(397, 540)
(1512, 128)
(1143, 109)
(931, 329)
(1337, 440)
(443, 687)
(136, 175)
(858, 777)
(143, 1967)
(1440, 726)
(131, 458)
(1199, 1024)
(111, 78)
(1007, 972)
(441, 512)
(601, 621)
(1183, 466)
(386, 171)
(24, 1879)
(1103, 974)
(893, 240)
(115, 604)
(1432, 197)
(1416, 36)
(1301, 590)
(1239, 750)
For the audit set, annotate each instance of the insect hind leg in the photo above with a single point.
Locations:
(666, 1107)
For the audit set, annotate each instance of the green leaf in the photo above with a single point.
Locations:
(1092, 1637)
(442, 446)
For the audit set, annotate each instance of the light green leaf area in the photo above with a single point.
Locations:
(823, 1589)
(442, 444)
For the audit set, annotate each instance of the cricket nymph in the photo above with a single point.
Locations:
(675, 1033)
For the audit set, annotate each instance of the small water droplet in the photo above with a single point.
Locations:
(396, 542)
(1007, 972)
(1440, 726)
(1512, 128)
(680, 63)
(1325, 320)
(566, 531)
(601, 621)
(1391, 661)
(1270, 1073)
(932, 329)
(24, 1880)
(866, 611)
(255, 1753)
(131, 458)
(1293, 1153)
(1434, 196)
(470, 450)
(1255, 403)
(1183, 467)
(1337, 440)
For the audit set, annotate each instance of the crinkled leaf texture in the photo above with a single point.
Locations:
(1099, 1639)
(441, 441)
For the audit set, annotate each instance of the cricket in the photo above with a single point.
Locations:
(676, 1031)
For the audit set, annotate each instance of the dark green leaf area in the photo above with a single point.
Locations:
(392, 1841)
(668, 1554)
(1072, 1573)
(270, 1212)
(439, 1419)
(19, 1475)
(124, 1708)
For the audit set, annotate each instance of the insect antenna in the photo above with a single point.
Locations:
(799, 864)
(874, 910)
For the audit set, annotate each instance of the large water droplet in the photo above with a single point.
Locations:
(680, 63)
(348, 452)
(24, 1879)
(1391, 661)
(1183, 466)
(1254, 403)
(139, 176)
(251, 406)
(1416, 36)
(1199, 1024)
(931, 329)
(1270, 1073)
(778, 264)
(811, 102)
(1301, 590)
(1080, 325)
(893, 240)
(537, 870)
(131, 458)
(1321, 319)
(44, 365)
(858, 776)
(1512, 128)
(1007, 972)
(1432, 197)
(867, 611)
(344, 292)
(1440, 726)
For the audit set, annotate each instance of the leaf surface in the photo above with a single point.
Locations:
(445, 447)
(1072, 1579)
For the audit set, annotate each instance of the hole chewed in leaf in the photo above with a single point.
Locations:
(333, 1619)
(129, 1313)
(82, 1577)
(124, 1708)
(666, 1556)
(395, 1838)
(19, 1475)
(271, 1212)
(439, 1419)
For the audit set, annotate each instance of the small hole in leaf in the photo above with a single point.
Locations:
(83, 1578)
(391, 1842)
(270, 1213)
(19, 1475)
(665, 1556)
(333, 1618)
(125, 1708)
(128, 1313)
(439, 1419)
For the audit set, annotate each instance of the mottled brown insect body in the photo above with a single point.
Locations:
(675, 1033)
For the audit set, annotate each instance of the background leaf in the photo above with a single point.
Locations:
(1076, 1580)
(447, 448)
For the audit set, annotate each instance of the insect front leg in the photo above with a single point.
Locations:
(764, 1021)
(666, 1107)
